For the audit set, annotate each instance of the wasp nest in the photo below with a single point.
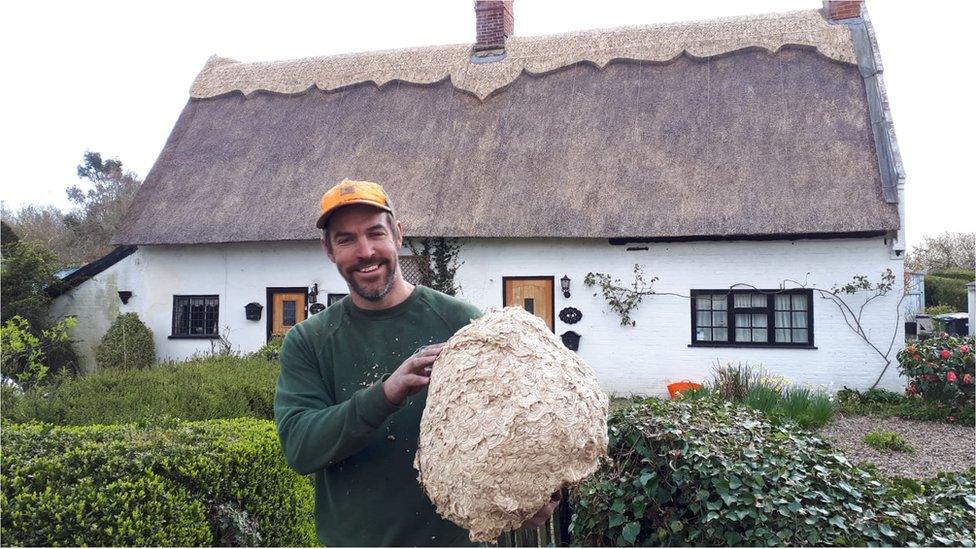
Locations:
(511, 417)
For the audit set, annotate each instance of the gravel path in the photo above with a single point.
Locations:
(938, 446)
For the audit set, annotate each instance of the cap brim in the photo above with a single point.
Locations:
(324, 218)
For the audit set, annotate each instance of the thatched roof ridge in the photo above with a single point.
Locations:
(536, 54)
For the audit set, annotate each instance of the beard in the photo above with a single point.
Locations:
(377, 294)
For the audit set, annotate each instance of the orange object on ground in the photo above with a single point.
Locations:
(675, 389)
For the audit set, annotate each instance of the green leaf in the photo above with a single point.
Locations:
(616, 519)
(618, 506)
(631, 529)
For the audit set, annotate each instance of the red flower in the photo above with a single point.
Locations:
(964, 349)
(911, 390)
(945, 354)
(951, 377)
(967, 379)
(951, 419)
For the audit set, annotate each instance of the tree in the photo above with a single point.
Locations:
(944, 251)
(99, 209)
(44, 224)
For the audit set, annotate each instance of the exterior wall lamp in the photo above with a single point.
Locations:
(564, 282)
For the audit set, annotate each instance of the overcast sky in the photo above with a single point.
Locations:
(112, 76)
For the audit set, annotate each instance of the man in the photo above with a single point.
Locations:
(352, 386)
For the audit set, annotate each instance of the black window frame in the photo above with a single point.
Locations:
(216, 321)
(769, 310)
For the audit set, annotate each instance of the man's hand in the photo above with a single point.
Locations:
(542, 515)
(413, 375)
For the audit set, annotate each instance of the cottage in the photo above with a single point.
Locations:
(740, 162)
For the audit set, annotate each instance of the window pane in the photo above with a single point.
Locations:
(782, 319)
(783, 336)
(783, 302)
(743, 300)
(760, 335)
(800, 336)
(799, 320)
(288, 313)
(720, 319)
(720, 334)
(719, 302)
(704, 334)
(742, 321)
(799, 302)
(743, 334)
(705, 318)
(181, 317)
(759, 300)
(759, 321)
(703, 302)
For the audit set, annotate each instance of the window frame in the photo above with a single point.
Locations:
(176, 298)
(769, 310)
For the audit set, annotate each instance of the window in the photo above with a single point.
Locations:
(332, 299)
(195, 315)
(752, 318)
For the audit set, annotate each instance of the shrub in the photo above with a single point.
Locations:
(213, 388)
(887, 441)
(939, 310)
(940, 368)
(710, 473)
(127, 345)
(24, 353)
(942, 290)
(966, 275)
(270, 350)
(884, 403)
(188, 484)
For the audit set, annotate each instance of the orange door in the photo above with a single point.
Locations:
(532, 294)
(287, 309)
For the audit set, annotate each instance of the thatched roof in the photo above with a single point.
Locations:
(763, 129)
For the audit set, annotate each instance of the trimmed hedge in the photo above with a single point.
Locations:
(210, 388)
(711, 473)
(127, 345)
(948, 289)
(221, 482)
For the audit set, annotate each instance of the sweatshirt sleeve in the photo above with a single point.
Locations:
(314, 430)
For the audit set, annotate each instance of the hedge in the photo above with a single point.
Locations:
(941, 290)
(210, 388)
(711, 473)
(221, 482)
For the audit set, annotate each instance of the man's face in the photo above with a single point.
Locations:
(364, 248)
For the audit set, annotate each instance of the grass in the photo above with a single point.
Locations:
(887, 441)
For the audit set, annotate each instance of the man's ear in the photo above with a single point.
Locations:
(399, 235)
(327, 248)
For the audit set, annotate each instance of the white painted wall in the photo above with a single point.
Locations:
(628, 360)
(96, 304)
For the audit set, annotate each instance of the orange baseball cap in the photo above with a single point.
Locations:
(352, 192)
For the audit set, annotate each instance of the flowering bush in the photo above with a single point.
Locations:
(940, 368)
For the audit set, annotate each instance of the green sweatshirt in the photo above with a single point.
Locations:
(335, 422)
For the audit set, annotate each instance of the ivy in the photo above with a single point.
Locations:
(442, 257)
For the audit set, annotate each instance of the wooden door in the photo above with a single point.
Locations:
(287, 309)
(532, 294)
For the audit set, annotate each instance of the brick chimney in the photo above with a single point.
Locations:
(495, 23)
(838, 10)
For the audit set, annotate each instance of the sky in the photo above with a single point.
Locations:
(113, 76)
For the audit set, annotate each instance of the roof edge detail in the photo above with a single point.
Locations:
(536, 54)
